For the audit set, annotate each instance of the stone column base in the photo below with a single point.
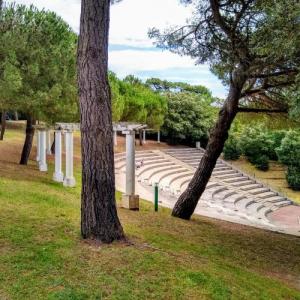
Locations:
(131, 202)
(43, 167)
(69, 182)
(58, 177)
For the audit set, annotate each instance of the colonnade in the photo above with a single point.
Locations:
(44, 144)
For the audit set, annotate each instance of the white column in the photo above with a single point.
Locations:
(69, 179)
(198, 145)
(130, 163)
(49, 152)
(42, 162)
(144, 137)
(158, 137)
(115, 138)
(38, 133)
(58, 175)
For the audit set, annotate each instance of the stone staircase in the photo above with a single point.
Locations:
(229, 190)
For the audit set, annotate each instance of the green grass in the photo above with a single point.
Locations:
(43, 257)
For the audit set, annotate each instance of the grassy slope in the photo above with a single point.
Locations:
(43, 257)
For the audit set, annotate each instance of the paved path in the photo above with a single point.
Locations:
(230, 194)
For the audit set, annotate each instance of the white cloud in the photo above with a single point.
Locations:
(133, 60)
(130, 21)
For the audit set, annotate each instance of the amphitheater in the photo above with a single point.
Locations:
(230, 194)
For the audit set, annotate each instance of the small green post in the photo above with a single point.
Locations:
(156, 197)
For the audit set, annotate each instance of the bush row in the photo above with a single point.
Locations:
(260, 146)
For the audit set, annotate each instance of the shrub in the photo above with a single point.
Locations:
(261, 162)
(255, 145)
(232, 150)
(289, 150)
(293, 177)
(276, 138)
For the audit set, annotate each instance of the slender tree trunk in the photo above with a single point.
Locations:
(99, 219)
(187, 202)
(53, 145)
(28, 140)
(3, 125)
(141, 137)
(16, 116)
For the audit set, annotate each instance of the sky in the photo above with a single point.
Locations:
(130, 49)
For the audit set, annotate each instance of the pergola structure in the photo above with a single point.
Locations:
(129, 200)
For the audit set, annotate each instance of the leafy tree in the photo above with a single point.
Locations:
(99, 219)
(189, 116)
(254, 47)
(142, 104)
(289, 154)
(180, 87)
(39, 78)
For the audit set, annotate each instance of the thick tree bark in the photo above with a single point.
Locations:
(99, 219)
(187, 202)
(28, 140)
(3, 125)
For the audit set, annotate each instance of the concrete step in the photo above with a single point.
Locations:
(243, 203)
(161, 175)
(145, 176)
(258, 191)
(222, 168)
(149, 162)
(223, 195)
(242, 183)
(274, 198)
(234, 175)
(236, 180)
(224, 172)
(167, 182)
(251, 186)
(177, 184)
(147, 168)
(268, 195)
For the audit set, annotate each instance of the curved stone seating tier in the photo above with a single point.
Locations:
(228, 192)
(158, 177)
(146, 162)
(142, 172)
(169, 180)
(234, 190)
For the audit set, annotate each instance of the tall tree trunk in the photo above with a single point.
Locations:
(16, 116)
(53, 145)
(141, 137)
(28, 140)
(188, 201)
(3, 125)
(99, 219)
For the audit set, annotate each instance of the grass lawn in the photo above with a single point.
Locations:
(43, 257)
(274, 177)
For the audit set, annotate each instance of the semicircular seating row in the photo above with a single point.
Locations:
(228, 188)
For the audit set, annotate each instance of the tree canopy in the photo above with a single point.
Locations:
(226, 33)
(133, 100)
(37, 69)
